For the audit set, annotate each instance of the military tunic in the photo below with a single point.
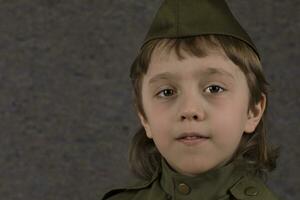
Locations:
(225, 183)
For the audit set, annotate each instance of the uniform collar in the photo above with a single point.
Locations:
(209, 185)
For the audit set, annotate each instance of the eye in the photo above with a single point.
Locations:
(215, 89)
(166, 93)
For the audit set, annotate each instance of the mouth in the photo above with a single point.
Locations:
(192, 138)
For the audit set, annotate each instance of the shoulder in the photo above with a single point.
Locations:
(252, 188)
(129, 192)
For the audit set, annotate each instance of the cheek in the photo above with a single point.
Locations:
(161, 137)
(158, 112)
(230, 118)
(158, 119)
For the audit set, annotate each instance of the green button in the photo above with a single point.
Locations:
(251, 191)
(184, 188)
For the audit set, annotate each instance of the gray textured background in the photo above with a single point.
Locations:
(66, 117)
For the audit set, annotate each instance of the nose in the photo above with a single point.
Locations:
(192, 110)
(189, 116)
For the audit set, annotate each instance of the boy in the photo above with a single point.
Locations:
(201, 97)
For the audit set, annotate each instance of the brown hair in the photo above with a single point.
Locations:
(144, 158)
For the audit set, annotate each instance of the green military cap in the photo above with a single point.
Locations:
(185, 18)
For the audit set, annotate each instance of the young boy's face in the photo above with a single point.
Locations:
(204, 98)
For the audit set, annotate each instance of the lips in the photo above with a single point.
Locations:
(192, 139)
(191, 136)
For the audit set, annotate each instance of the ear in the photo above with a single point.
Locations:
(145, 124)
(255, 115)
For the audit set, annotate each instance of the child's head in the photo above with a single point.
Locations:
(199, 91)
(211, 85)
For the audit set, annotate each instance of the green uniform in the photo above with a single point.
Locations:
(226, 183)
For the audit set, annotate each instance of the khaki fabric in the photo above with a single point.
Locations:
(186, 18)
(225, 183)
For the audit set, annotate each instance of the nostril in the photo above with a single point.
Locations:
(194, 117)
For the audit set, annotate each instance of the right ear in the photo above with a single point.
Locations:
(145, 124)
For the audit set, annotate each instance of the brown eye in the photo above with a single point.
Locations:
(215, 89)
(166, 93)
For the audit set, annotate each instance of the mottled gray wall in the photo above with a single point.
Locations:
(65, 107)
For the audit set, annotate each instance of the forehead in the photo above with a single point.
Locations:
(214, 62)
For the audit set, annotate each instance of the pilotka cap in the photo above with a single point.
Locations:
(187, 18)
(184, 18)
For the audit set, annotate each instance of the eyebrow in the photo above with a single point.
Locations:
(207, 72)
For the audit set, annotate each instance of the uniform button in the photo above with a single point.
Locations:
(251, 191)
(184, 188)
